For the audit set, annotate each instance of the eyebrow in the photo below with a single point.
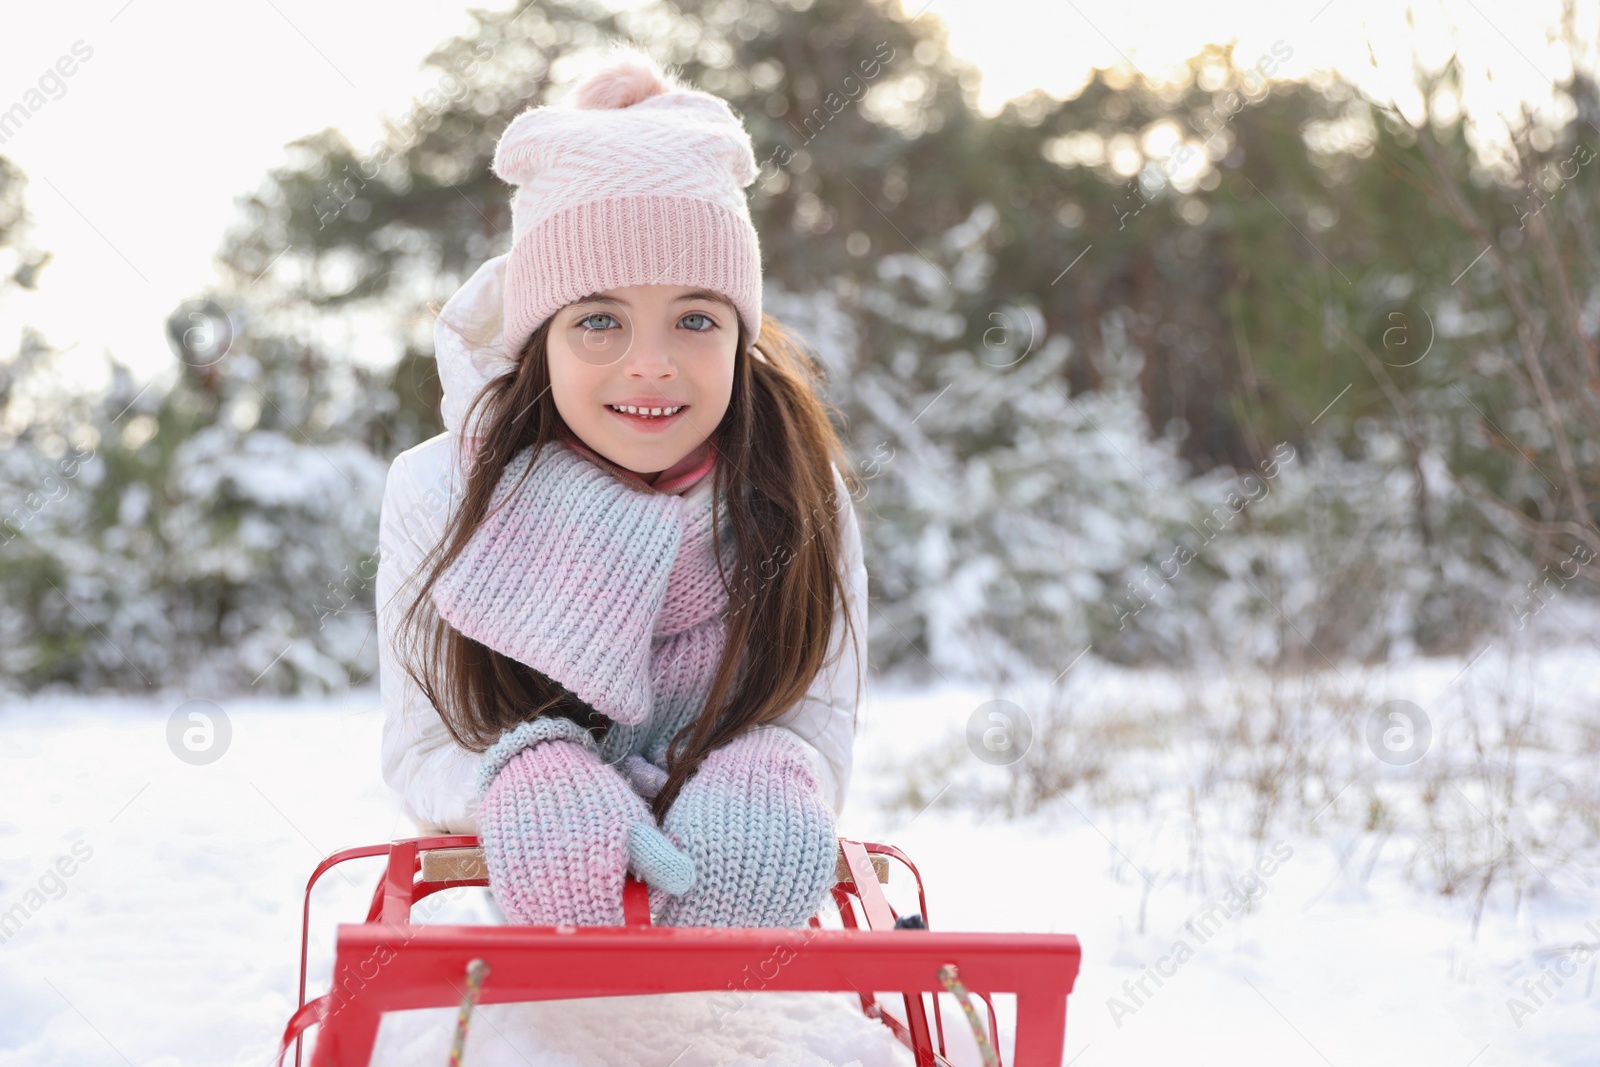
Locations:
(693, 294)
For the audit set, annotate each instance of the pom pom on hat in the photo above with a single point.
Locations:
(628, 77)
(639, 180)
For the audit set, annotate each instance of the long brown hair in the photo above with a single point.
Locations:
(776, 447)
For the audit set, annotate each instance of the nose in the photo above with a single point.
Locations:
(650, 358)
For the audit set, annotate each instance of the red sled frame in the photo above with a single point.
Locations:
(387, 963)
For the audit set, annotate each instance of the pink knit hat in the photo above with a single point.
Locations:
(638, 181)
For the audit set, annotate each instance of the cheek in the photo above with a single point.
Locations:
(714, 383)
(573, 385)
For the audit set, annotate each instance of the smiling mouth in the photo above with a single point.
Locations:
(647, 413)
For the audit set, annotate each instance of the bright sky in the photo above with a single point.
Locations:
(183, 105)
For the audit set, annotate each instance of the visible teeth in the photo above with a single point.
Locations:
(648, 413)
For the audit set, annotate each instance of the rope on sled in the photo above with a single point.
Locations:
(477, 970)
(952, 982)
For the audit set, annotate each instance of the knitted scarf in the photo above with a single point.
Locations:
(606, 585)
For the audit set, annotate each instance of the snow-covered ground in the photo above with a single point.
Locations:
(1250, 882)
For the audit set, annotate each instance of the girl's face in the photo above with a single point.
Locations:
(642, 374)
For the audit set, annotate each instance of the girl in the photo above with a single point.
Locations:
(634, 615)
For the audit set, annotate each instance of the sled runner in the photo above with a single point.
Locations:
(387, 963)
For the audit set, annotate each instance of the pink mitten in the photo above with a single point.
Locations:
(560, 829)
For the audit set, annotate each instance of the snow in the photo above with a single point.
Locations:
(782, 1029)
(1326, 939)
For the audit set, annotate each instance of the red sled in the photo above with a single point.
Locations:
(387, 963)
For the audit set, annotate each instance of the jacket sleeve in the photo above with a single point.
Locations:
(434, 776)
(825, 716)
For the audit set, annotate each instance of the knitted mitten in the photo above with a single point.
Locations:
(567, 573)
(762, 839)
(560, 829)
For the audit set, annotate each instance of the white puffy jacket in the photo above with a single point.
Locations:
(434, 776)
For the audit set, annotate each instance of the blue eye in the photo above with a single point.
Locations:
(595, 315)
(710, 325)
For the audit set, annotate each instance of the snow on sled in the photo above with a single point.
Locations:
(390, 964)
